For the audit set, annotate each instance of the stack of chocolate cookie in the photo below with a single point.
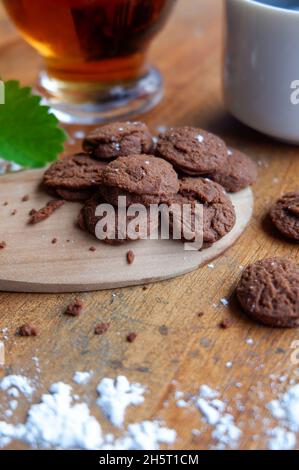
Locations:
(195, 152)
(185, 165)
(77, 177)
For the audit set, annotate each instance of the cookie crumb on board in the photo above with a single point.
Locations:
(27, 330)
(92, 248)
(5, 203)
(200, 314)
(74, 309)
(2, 245)
(225, 323)
(25, 198)
(44, 212)
(131, 337)
(54, 241)
(130, 257)
(13, 212)
(163, 330)
(101, 328)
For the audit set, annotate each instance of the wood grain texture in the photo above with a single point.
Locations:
(194, 350)
(69, 265)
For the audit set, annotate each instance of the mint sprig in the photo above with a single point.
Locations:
(29, 134)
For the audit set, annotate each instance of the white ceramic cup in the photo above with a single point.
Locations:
(261, 66)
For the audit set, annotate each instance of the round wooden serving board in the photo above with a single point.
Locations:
(31, 263)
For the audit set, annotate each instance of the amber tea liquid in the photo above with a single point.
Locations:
(90, 39)
(90, 42)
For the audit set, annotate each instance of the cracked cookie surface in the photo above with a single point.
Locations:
(141, 178)
(268, 291)
(192, 151)
(285, 215)
(219, 215)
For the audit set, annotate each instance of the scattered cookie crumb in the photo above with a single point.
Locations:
(54, 241)
(27, 330)
(45, 212)
(200, 314)
(225, 323)
(32, 212)
(163, 330)
(92, 248)
(5, 203)
(25, 198)
(130, 257)
(280, 351)
(13, 212)
(101, 328)
(75, 308)
(2, 245)
(131, 337)
(144, 287)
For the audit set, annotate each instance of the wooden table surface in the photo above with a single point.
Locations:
(173, 342)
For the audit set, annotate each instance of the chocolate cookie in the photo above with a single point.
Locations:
(239, 173)
(193, 151)
(88, 221)
(118, 139)
(218, 212)
(73, 196)
(269, 292)
(141, 178)
(285, 215)
(73, 178)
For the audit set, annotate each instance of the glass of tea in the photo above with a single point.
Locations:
(95, 54)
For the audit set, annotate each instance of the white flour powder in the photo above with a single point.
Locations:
(280, 439)
(18, 382)
(144, 436)
(116, 395)
(54, 422)
(57, 422)
(286, 411)
(82, 378)
(225, 432)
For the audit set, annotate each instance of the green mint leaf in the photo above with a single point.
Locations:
(29, 134)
